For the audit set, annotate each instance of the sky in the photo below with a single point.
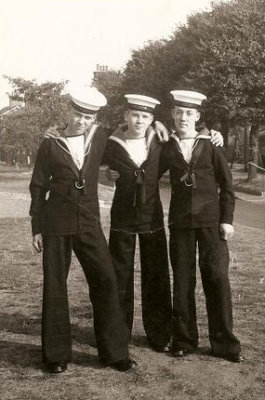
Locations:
(65, 39)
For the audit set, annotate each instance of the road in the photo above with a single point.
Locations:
(250, 213)
(249, 210)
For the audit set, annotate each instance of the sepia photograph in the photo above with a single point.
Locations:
(132, 199)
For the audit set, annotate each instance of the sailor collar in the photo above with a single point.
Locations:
(119, 137)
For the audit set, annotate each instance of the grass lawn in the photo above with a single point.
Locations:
(157, 377)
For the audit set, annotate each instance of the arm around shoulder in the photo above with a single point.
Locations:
(164, 160)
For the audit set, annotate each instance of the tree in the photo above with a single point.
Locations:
(228, 43)
(220, 53)
(110, 84)
(44, 106)
(154, 70)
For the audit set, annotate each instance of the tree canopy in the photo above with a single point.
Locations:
(110, 84)
(44, 106)
(219, 52)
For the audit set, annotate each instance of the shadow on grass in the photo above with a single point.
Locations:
(20, 354)
(139, 341)
(19, 323)
(83, 335)
(85, 359)
(29, 356)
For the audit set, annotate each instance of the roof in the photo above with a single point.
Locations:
(3, 110)
(9, 110)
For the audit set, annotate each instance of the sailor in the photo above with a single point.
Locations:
(201, 213)
(133, 152)
(67, 168)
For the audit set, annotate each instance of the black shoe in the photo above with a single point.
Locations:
(123, 365)
(235, 357)
(57, 367)
(179, 353)
(232, 357)
(160, 348)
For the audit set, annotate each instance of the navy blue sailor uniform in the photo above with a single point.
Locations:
(137, 210)
(69, 220)
(201, 199)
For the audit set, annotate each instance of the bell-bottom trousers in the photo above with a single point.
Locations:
(111, 332)
(213, 263)
(155, 283)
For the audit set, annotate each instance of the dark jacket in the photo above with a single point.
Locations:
(136, 205)
(202, 193)
(68, 209)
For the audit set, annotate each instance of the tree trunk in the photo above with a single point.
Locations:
(253, 150)
(236, 148)
(246, 147)
(225, 132)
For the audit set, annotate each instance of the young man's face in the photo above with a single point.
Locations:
(79, 122)
(138, 121)
(185, 119)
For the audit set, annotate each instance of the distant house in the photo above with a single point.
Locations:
(9, 154)
(14, 105)
(100, 71)
(4, 110)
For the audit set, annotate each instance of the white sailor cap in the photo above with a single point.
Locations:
(141, 103)
(86, 99)
(187, 98)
